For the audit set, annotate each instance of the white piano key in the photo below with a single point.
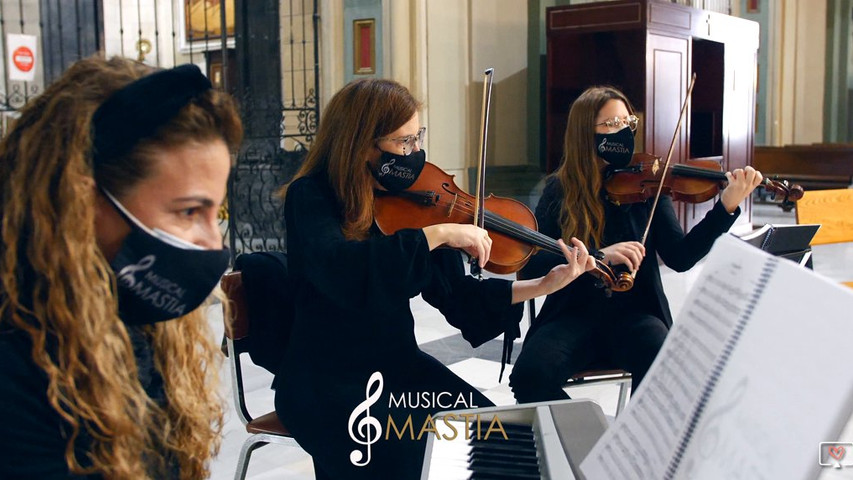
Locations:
(563, 432)
(449, 457)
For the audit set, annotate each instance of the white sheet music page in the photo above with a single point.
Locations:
(755, 373)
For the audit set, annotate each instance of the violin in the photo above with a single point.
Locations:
(693, 181)
(434, 198)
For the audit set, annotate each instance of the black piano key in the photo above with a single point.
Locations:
(511, 428)
(503, 476)
(525, 459)
(504, 446)
(499, 458)
(522, 457)
(504, 466)
(521, 435)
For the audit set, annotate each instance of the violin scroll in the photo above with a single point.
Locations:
(611, 281)
(781, 188)
(624, 281)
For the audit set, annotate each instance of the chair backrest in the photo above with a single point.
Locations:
(269, 292)
(236, 317)
(830, 208)
(232, 285)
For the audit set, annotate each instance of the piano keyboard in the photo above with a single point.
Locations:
(535, 441)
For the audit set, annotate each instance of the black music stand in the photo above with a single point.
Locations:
(786, 241)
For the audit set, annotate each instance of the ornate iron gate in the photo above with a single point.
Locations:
(280, 117)
(17, 18)
(264, 52)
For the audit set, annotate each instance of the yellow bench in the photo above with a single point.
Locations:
(833, 210)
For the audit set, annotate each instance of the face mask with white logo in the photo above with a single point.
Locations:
(617, 148)
(160, 276)
(398, 172)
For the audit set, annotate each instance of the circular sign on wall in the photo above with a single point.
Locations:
(23, 59)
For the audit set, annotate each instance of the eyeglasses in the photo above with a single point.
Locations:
(631, 121)
(409, 141)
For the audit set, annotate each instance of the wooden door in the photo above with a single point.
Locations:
(667, 78)
(741, 82)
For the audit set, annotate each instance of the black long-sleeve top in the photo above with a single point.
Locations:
(679, 251)
(352, 297)
(33, 435)
(353, 318)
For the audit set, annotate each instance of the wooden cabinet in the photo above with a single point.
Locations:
(649, 50)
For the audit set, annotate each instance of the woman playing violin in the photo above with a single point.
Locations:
(353, 345)
(578, 327)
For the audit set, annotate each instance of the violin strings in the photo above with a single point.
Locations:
(511, 228)
(518, 231)
(691, 170)
(698, 172)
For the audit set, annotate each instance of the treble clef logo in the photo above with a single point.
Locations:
(385, 169)
(126, 274)
(601, 145)
(710, 436)
(368, 430)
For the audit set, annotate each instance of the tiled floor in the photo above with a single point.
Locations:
(478, 366)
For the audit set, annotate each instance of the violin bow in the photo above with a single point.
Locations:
(668, 158)
(480, 193)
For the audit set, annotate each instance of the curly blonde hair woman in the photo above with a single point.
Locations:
(110, 182)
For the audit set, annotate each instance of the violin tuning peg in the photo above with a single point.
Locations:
(599, 255)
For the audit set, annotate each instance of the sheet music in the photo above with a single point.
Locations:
(754, 339)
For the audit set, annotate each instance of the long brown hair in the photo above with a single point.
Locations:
(582, 213)
(361, 112)
(56, 285)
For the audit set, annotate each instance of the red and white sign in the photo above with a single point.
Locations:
(22, 59)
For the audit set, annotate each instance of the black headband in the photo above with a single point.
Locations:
(137, 110)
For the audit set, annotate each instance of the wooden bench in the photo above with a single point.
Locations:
(814, 167)
(833, 210)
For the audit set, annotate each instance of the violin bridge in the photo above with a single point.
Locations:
(452, 205)
(655, 166)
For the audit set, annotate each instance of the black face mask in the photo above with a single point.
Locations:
(398, 172)
(616, 149)
(160, 276)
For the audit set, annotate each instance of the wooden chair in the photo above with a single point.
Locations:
(598, 376)
(266, 428)
(832, 210)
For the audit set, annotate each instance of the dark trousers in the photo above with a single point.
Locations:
(559, 349)
(317, 411)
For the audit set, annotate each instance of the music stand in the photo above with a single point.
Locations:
(786, 241)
